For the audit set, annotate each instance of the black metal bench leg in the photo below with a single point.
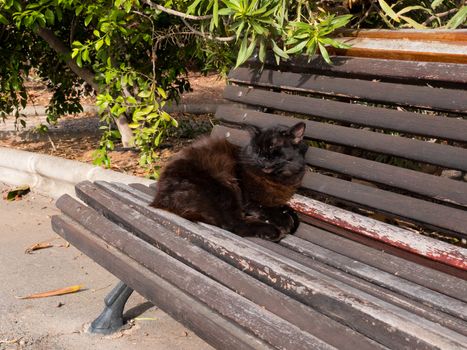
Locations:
(111, 318)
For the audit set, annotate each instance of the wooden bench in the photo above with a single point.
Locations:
(357, 274)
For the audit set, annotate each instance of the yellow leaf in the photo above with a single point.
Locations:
(61, 291)
(388, 10)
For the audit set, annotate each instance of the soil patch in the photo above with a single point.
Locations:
(77, 136)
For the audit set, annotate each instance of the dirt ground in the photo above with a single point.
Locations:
(77, 136)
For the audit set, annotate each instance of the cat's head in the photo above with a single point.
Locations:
(279, 151)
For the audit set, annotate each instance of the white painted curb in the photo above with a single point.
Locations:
(54, 176)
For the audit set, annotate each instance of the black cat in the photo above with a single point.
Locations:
(243, 190)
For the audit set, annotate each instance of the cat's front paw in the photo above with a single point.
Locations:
(270, 233)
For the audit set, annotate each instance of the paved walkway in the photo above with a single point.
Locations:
(56, 323)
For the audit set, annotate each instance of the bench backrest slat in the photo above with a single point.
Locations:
(372, 141)
(374, 91)
(381, 69)
(381, 118)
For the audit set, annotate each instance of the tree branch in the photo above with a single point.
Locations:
(439, 15)
(56, 44)
(209, 36)
(88, 76)
(176, 13)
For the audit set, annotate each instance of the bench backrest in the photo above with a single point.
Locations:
(382, 131)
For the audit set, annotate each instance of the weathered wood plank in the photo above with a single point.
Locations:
(403, 239)
(439, 217)
(379, 277)
(247, 314)
(442, 35)
(209, 325)
(453, 100)
(431, 186)
(434, 73)
(382, 118)
(301, 283)
(427, 277)
(285, 307)
(391, 297)
(372, 141)
(396, 49)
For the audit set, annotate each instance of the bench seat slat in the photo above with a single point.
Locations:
(302, 283)
(382, 118)
(436, 187)
(376, 68)
(376, 142)
(372, 274)
(427, 277)
(192, 313)
(391, 297)
(451, 220)
(231, 305)
(379, 92)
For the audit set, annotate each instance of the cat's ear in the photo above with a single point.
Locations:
(297, 131)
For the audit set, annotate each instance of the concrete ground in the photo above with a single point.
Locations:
(60, 322)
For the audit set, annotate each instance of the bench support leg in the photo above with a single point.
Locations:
(111, 318)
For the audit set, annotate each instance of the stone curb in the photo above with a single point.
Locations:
(54, 176)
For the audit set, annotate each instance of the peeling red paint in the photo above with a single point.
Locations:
(411, 242)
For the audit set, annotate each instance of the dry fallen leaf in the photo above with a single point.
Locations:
(16, 193)
(38, 246)
(61, 291)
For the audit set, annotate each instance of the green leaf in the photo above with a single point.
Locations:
(131, 99)
(278, 51)
(388, 10)
(145, 93)
(49, 16)
(324, 53)
(436, 3)
(87, 20)
(297, 48)
(99, 44)
(107, 40)
(162, 92)
(413, 23)
(241, 58)
(3, 20)
(458, 19)
(215, 14)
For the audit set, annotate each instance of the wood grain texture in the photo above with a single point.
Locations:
(417, 273)
(413, 72)
(441, 35)
(376, 117)
(391, 297)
